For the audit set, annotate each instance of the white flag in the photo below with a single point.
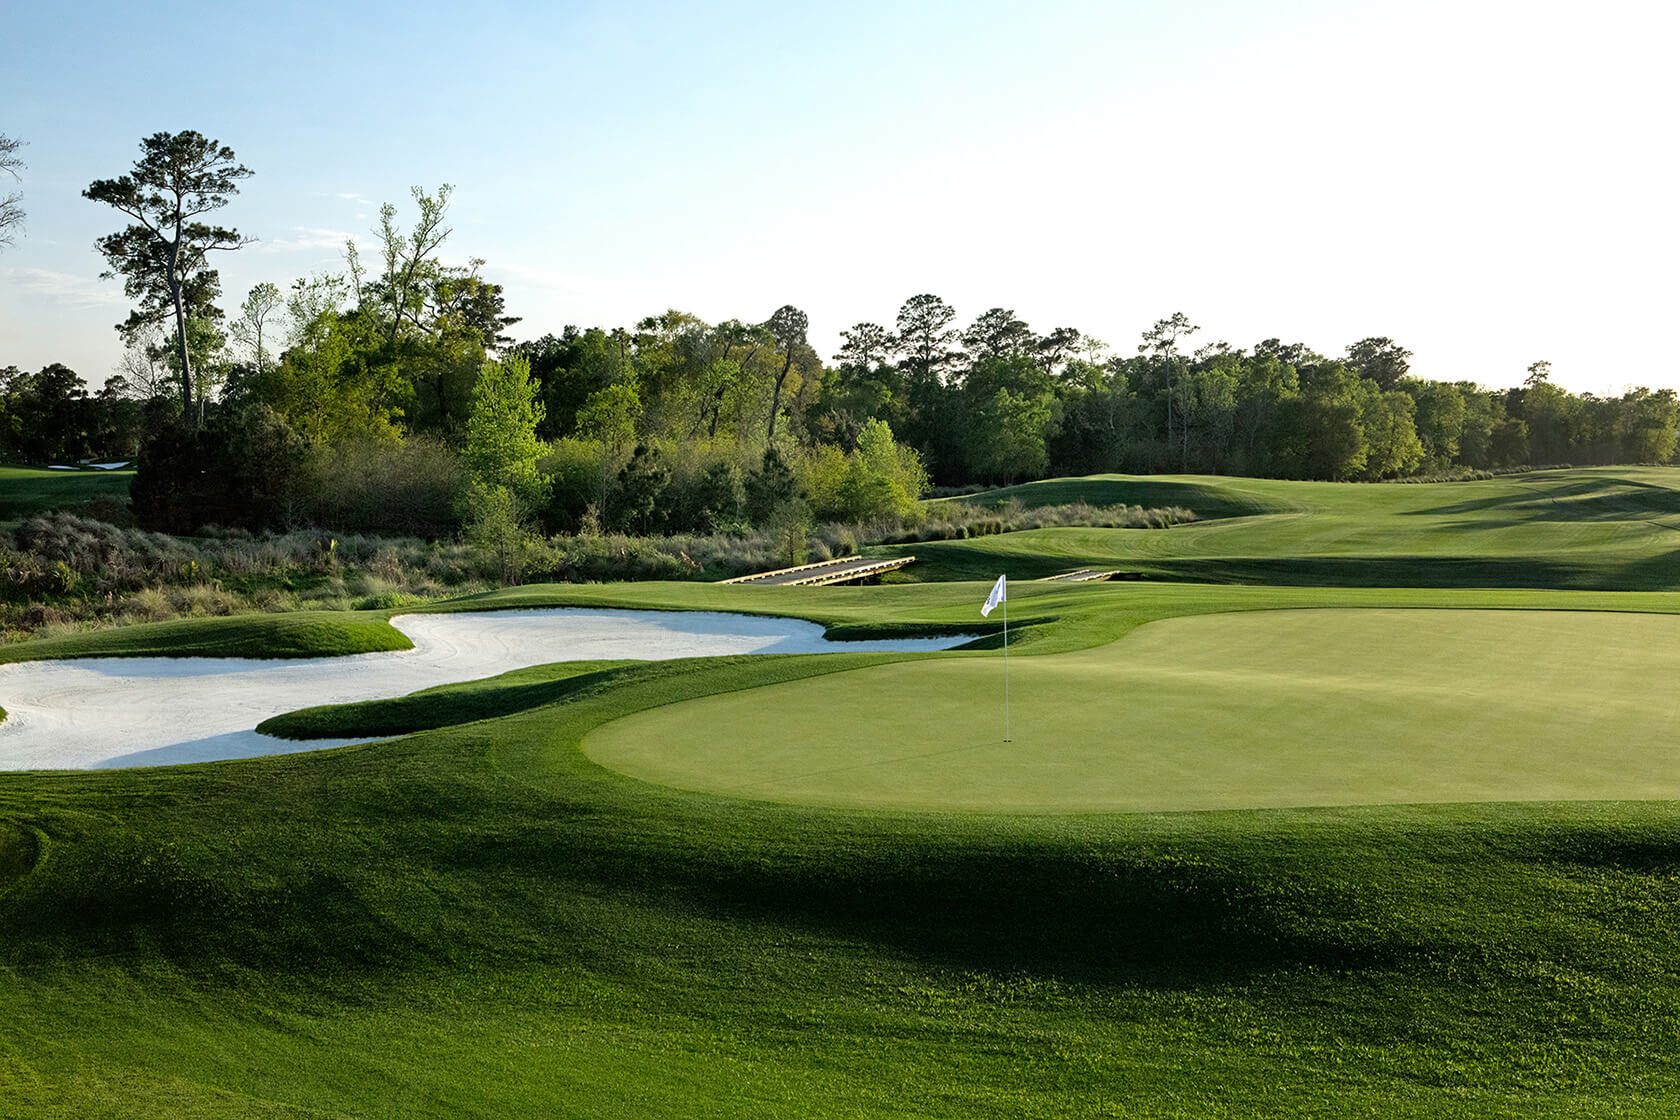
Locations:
(997, 596)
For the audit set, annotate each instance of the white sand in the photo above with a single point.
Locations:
(153, 711)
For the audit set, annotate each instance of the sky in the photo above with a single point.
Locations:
(1487, 183)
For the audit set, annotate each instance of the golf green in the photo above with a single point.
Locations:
(1262, 709)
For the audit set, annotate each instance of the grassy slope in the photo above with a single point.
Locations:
(1589, 528)
(298, 634)
(29, 490)
(477, 921)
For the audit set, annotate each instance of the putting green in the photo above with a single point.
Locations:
(1263, 709)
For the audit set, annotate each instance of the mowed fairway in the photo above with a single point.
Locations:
(1595, 528)
(1265, 709)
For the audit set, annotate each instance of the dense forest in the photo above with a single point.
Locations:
(389, 397)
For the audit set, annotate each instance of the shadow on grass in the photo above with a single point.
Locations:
(1072, 914)
(1404, 571)
(1161, 919)
(19, 851)
(1589, 499)
(424, 711)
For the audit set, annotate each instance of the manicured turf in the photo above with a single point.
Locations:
(28, 490)
(446, 705)
(477, 921)
(480, 921)
(1267, 709)
(1591, 528)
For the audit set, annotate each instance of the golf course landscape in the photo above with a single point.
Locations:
(1363, 801)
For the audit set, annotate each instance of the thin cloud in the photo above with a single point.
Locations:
(347, 196)
(65, 288)
(308, 239)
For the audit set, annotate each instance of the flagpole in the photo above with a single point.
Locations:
(1006, 668)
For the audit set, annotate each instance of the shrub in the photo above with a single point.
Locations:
(243, 468)
(576, 478)
(412, 488)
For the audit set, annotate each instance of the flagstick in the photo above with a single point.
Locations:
(1006, 668)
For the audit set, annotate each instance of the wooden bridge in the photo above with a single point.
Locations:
(1088, 575)
(848, 570)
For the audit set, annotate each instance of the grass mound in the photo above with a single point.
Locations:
(1208, 497)
(299, 634)
(18, 852)
(446, 705)
(1602, 528)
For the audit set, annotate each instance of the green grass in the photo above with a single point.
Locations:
(30, 490)
(298, 634)
(1274, 709)
(478, 920)
(446, 705)
(1597, 528)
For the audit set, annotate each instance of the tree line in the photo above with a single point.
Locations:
(390, 394)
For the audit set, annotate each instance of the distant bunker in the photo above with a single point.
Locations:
(1267, 709)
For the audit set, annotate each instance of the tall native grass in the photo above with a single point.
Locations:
(61, 572)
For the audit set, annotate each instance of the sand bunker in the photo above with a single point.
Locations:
(154, 711)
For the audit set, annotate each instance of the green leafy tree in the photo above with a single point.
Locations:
(1166, 364)
(1554, 418)
(642, 483)
(1392, 447)
(1440, 419)
(501, 447)
(1206, 396)
(610, 415)
(1055, 349)
(411, 266)
(1319, 434)
(1482, 410)
(770, 487)
(997, 334)
(1650, 424)
(500, 526)
(1381, 360)
(1007, 437)
(865, 346)
(241, 469)
(330, 384)
(48, 418)
(787, 327)
(259, 324)
(163, 256)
